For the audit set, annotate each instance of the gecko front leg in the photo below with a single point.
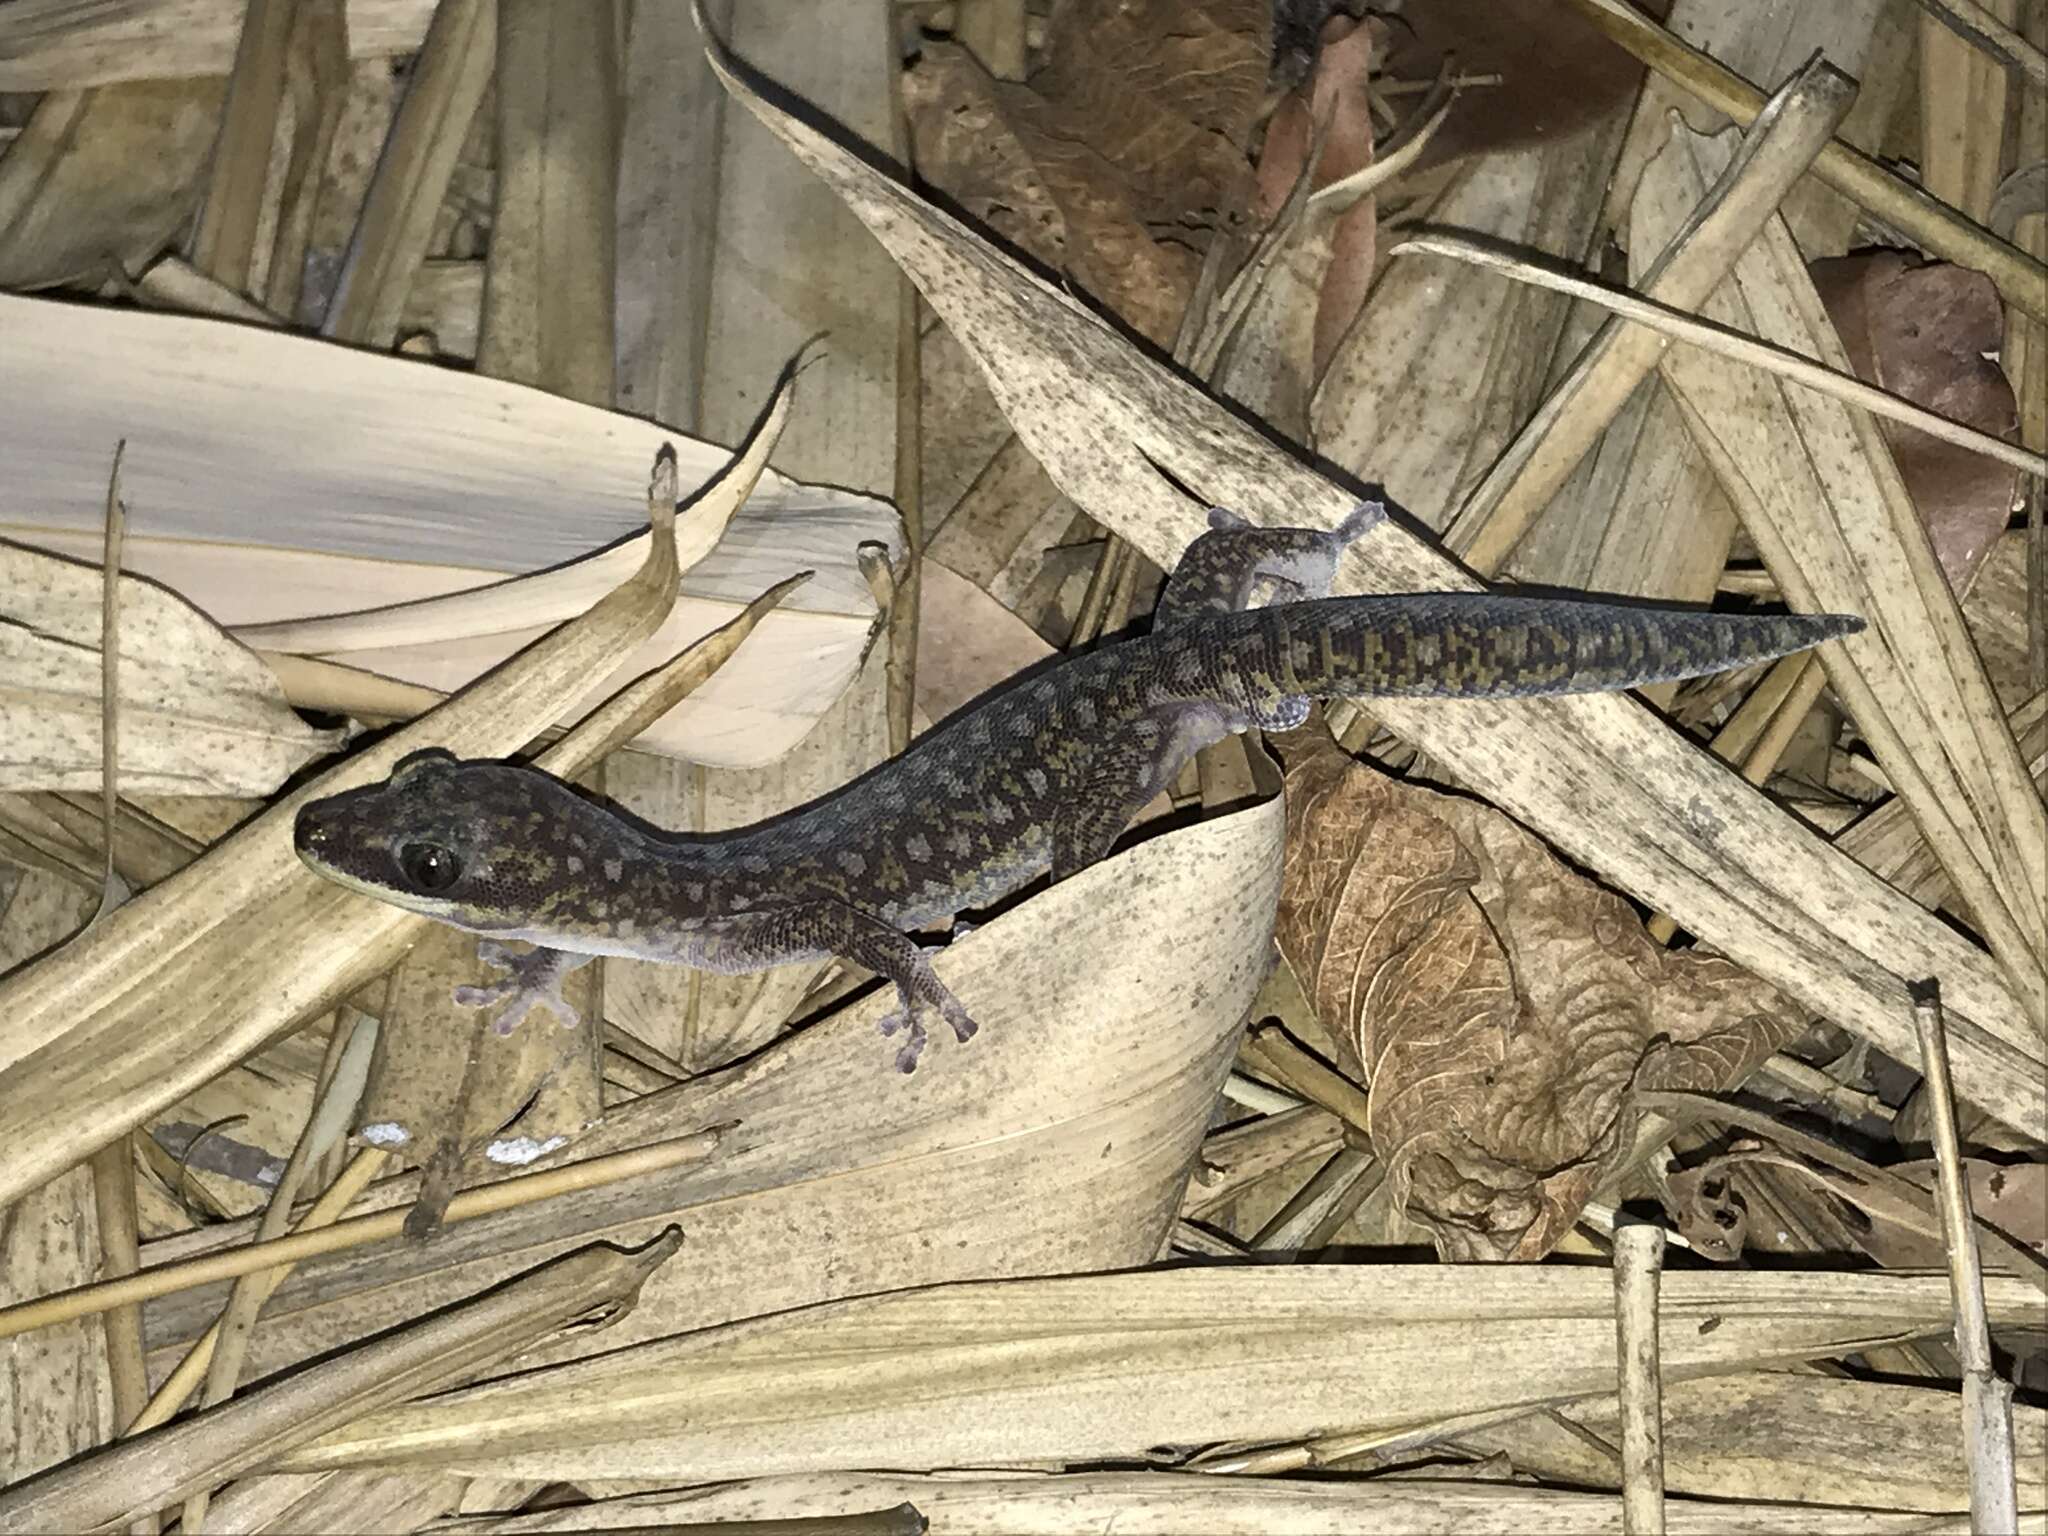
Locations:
(532, 980)
(809, 929)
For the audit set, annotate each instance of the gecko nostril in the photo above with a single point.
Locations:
(308, 834)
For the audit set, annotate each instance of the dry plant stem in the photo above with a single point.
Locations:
(1973, 23)
(162, 1281)
(1638, 1262)
(1925, 220)
(1733, 344)
(186, 1376)
(1792, 128)
(1987, 1401)
(113, 1189)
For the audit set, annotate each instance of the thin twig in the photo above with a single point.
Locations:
(84, 1300)
(1710, 337)
(1638, 1266)
(1987, 1401)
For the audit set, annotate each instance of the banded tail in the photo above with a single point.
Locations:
(1473, 645)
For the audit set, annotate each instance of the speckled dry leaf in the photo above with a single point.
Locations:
(1069, 208)
(1817, 488)
(1500, 1006)
(200, 715)
(1127, 142)
(1804, 1439)
(1140, 448)
(1931, 333)
(1441, 368)
(1020, 1366)
(1110, 1007)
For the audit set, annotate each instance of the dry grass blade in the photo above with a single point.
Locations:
(181, 983)
(852, 1384)
(1777, 149)
(1819, 491)
(2022, 279)
(1600, 776)
(585, 1290)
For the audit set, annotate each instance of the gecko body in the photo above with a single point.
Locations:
(1041, 776)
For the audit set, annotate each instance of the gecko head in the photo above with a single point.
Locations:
(484, 846)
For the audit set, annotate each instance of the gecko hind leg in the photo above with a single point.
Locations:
(1221, 570)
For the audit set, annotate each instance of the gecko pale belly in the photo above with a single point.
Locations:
(1043, 775)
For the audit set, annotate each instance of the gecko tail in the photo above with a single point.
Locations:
(1487, 646)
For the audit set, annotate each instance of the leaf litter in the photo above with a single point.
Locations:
(1477, 1043)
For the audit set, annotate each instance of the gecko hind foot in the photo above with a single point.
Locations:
(910, 1013)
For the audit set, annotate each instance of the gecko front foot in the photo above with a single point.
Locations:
(533, 980)
(910, 1014)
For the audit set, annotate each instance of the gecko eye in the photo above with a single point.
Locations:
(429, 867)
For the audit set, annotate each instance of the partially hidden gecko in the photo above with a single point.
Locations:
(1041, 775)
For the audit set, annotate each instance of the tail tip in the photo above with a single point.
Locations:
(1832, 626)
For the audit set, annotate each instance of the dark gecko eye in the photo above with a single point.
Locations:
(429, 867)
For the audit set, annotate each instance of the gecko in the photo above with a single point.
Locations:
(1042, 775)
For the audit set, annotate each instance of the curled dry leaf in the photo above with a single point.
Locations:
(200, 715)
(1500, 1007)
(1930, 333)
(1129, 141)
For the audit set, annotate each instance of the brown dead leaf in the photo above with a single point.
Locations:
(1335, 103)
(1501, 1008)
(1923, 332)
(1115, 156)
(2012, 1197)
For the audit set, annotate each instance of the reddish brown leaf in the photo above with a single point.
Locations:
(1114, 159)
(1500, 1008)
(1923, 332)
(1335, 100)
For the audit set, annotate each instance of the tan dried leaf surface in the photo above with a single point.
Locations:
(1765, 1435)
(1094, 1367)
(200, 715)
(1931, 333)
(1110, 1006)
(100, 179)
(1162, 1503)
(1500, 1006)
